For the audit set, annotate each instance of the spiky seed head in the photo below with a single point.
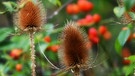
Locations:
(31, 16)
(126, 18)
(73, 49)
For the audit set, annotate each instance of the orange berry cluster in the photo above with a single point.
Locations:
(80, 6)
(15, 54)
(18, 67)
(83, 6)
(93, 34)
(89, 20)
(53, 48)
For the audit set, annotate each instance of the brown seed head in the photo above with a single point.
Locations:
(126, 18)
(30, 16)
(74, 49)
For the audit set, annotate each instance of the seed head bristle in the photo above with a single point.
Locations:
(30, 16)
(73, 48)
(126, 18)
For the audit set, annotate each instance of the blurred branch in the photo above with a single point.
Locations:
(58, 10)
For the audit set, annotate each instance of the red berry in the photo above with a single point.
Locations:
(130, 38)
(125, 52)
(96, 18)
(89, 18)
(54, 48)
(107, 35)
(93, 35)
(15, 53)
(126, 62)
(47, 39)
(85, 5)
(82, 22)
(72, 9)
(102, 29)
(92, 32)
(18, 67)
(95, 40)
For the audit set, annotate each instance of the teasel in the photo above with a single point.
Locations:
(126, 17)
(73, 52)
(29, 19)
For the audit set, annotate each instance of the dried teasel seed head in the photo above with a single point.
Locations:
(73, 50)
(31, 16)
(126, 18)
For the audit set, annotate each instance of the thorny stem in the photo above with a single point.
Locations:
(32, 46)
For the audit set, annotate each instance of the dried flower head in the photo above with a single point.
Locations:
(30, 17)
(74, 53)
(126, 17)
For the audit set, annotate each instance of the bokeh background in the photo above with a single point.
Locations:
(112, 47)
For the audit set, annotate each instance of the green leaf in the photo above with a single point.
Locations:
(49, 28)
(131, 58)
(118, 11)
(4, 32)
(55, 2)
(20, 42)
(8, 6)
(128, 69)
(129, 4)
(121, 40)
(17, 42)
(118, 47)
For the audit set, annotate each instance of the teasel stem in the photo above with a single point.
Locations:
(76, 73)
(32, 46)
